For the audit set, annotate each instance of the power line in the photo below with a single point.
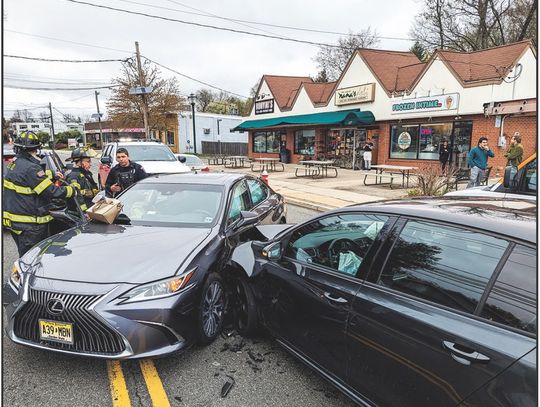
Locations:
(193, 79)
(31, 88)
(20, 76)
(66, 60)
(56, 83)
(209, 26)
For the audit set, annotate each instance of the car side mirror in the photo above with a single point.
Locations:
(509, 175)
(272, 251)
(106, 160)
(247, 219)
(182, 159)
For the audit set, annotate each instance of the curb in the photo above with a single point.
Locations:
(309, 205)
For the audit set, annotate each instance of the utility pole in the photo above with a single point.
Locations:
(99, 121)
(142, 84)
(52, 126)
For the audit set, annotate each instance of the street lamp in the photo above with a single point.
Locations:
(191, 98)
(219, 137)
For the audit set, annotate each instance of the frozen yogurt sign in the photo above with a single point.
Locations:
(427, 104)
(404, 140)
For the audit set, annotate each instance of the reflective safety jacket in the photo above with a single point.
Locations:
(84, 181)
(27, 194)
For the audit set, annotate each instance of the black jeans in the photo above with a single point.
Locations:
(29, 237)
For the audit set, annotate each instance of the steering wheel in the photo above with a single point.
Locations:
(339, 246)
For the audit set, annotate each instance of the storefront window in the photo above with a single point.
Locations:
(304, 142)
(404, 141)
(266, 141)
(431, 136)
(461, 144)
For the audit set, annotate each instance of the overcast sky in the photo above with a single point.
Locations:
(229, 60)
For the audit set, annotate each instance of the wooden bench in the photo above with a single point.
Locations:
(380, 177)
(307, 170)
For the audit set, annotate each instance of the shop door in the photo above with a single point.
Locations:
(460, 144)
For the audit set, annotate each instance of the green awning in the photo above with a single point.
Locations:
(352, 117)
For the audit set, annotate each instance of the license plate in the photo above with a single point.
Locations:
(56, 331)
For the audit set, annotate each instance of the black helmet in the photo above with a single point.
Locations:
(79, 153)
(27, 141)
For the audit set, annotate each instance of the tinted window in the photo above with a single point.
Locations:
(258, 191)
(239, 201)
(530, 177)
(512, 301)
(446, 265)
(339, 242)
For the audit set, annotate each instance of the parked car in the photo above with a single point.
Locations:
(516, 183)
(193, 162)
(155, 281)
(403, 303)
(154, 156)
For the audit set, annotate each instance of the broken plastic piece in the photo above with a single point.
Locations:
(227, 386)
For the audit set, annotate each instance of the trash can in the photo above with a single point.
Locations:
(285, 156)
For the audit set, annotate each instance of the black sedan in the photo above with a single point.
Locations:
(151, 283)
(412, 303)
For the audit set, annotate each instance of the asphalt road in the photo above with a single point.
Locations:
(263, 373)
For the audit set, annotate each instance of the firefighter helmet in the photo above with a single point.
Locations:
(79, 154)
(27, 141)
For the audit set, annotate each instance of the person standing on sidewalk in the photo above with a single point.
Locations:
(368, 148)
(444, 155)
(477, 160)
(514, 155)
(27, 195)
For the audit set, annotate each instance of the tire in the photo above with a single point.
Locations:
(245, 315)
(211, 310)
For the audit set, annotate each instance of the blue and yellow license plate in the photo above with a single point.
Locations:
(56, 331)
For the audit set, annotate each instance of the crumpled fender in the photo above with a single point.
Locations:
(243, 258)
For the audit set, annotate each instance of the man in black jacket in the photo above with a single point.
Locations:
(27, 195)
(81, 177)
(123, 174)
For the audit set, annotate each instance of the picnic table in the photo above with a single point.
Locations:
(392, 172)
(235, 161)
(316, 168)
(267, 163)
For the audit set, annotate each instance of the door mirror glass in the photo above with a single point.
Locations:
(181, 159)
(106, 160)
(272, 251)
(509, 175)
(247, 218)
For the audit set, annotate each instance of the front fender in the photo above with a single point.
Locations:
(245, 258)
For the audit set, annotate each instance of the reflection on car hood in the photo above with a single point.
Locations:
(164, 167)
(103, 253)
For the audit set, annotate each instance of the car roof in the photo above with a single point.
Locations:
(215, 178)
(511, 217)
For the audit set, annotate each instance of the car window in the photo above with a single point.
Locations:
(259, 191)
(239, 202)
(512, 301)
(339, 242)
(107, 151)
(530, 177)
(447, 265)
(190, 159)
(149, 152)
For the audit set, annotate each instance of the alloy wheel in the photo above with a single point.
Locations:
(213, 307)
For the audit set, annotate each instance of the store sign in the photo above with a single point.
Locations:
(355, 94)
(264, 106)
(427, 104)
(404, 140)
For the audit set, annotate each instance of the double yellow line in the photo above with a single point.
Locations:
(119, 391)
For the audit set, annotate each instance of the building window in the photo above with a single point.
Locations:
(304, 142)
(404, 142)
(35, 126)
(170, 138)
(266, 141)
(23, 126)
(430, 137)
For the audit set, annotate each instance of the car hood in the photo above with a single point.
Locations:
(164, 167)
(103, 253)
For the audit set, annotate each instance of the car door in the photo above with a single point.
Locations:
(416, 334)
(264, 202)
(306, 294)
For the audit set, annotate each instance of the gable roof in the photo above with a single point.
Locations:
(285, 88)
(319, 92)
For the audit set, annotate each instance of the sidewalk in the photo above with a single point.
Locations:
(323, 194)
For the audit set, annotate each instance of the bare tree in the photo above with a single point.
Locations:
(26, 115)
(204, 98)
(332, 60)
(471, 25)
(127, 109)
(44, 117)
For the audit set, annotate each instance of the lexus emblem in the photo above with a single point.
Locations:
(55, 306)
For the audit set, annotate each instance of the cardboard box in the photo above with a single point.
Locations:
(105, 210)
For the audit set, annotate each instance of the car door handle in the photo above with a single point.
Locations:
(339, 300)
(463, 356)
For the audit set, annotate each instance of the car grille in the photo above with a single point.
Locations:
(90, 335)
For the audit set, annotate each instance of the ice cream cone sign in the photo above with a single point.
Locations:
(449, 102)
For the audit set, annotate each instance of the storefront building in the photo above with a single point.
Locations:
(405, 107)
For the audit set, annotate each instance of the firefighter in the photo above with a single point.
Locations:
(123, 174)
(81, 178)
(28, 193)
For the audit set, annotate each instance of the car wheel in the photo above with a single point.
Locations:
(244, 307)
(211, 309)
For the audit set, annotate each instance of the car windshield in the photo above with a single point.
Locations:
(180, 205)
(191, 159)
(147, 152)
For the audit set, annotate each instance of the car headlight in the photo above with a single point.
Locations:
(16, 275)
(159, 289)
